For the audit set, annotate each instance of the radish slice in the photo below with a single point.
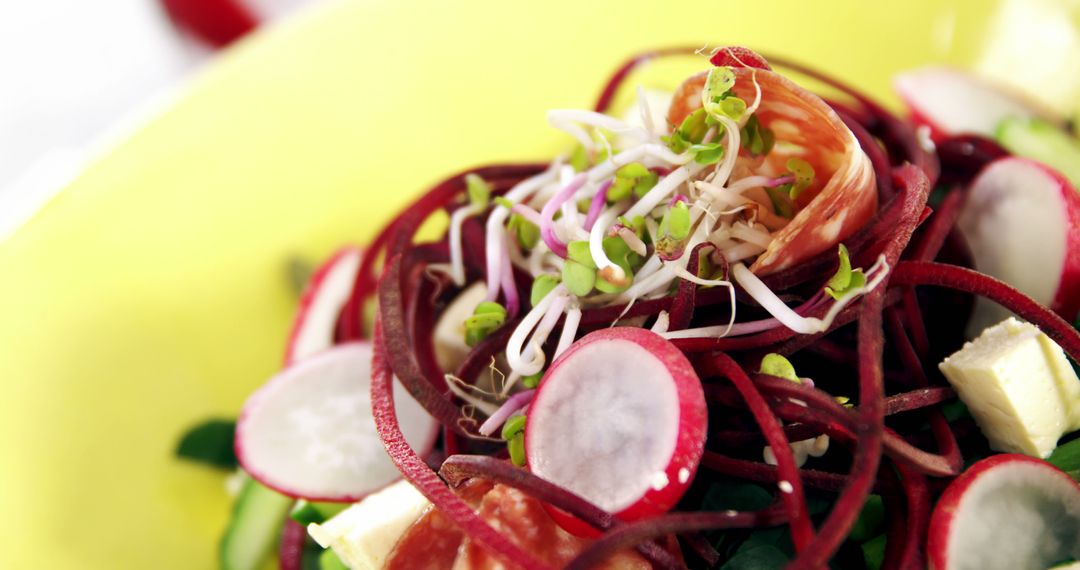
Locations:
(587, 430)
(1007, 511)
(1022, 221)
(326, 293)
(309, 432)
(951, 102)
(843, 195)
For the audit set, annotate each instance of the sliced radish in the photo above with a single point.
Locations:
(951, 102)
(1022, 221)
(309, 432)
(326, 293)
(1009, 512)
(619, 419)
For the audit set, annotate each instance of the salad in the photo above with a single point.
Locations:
(725, 329)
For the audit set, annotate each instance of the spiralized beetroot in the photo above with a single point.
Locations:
(882, 459)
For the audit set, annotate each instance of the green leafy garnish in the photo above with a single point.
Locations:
(781, 201)
(736, 497)
(845, 279)
(620, 254)
(874, 552)
(579, 251)
(579, 158)
(526, 232)
(645, 183)
(478, 190)
(627, 178)
(513, 426)
(756, 556)
(487, 317)
(542, 285)
(676, 221)
(756, 138)
(210, 442)
(717, 98)
(578, 277)
(776, 365)
(1067, 458)
(707, 153)
(691, 131)
(870, 520)
(804, 176)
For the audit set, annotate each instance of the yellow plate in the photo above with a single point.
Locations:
(152, 294)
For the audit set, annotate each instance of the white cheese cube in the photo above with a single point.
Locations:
(449, 338)
(364, 534)
(1019, 387)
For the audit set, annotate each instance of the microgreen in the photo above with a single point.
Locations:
(620, 254)
(637, 224)
(579, 271)
(870, 520)
(532, 380)
(804, 176)
(874, 552)
(525, 232)
(691, 131)
(845, 279)
(627, 179)
(513, 432)
(541, 286)
(776, 365)
(676, 221)
(478, 191)
(717, 98)
(781, 201)
(487, 317)
(757, 138)
(707, 153)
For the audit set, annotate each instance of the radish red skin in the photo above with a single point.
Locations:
(949, 502)
(692, 427)
(1067, 299)
(313, 290)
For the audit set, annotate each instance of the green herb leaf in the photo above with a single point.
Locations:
(874, 552)
(781, 201)
(542, 285)
(525, 232)
(478, 190)
(776, 365)
(578, 279)
(736, 497)
(211, 443)
(513, 426)
(500, 201)
(306, 512)
(1067, 458)
(757, 138)
(490, 307)
(691, 131)
(516, 446)
(751, 556)
(718, 84)
(870, 520)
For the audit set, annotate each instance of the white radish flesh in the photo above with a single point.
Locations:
(1022, 221)
(619, 419)
(327, 292)
(1006, 512)
(309, 432)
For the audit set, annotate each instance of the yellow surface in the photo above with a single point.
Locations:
(151, 293)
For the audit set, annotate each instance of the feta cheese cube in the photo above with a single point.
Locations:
(1019, 387)
(364, 534)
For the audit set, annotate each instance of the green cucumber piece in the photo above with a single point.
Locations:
(307, 512)
(255, 527)
(1044, 142)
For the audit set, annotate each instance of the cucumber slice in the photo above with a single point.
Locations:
(1041, 141)
(255, 527)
